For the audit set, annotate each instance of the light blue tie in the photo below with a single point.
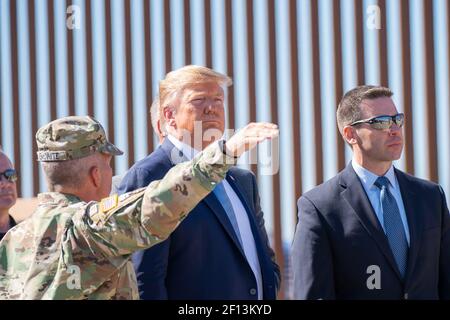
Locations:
(220, 193)
(393, 225)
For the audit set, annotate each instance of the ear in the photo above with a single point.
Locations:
(169, 116)
(159, 127)
(95, 176)
(350, 135)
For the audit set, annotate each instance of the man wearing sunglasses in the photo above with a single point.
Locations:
(8, 193)
(372, 231)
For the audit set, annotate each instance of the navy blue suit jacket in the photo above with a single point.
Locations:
(202, 259)
(338, 238)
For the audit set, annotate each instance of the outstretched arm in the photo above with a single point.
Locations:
(120, 225)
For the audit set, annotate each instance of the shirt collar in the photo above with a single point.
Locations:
(187, 150)
(368, 178)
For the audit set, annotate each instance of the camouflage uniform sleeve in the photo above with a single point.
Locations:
(120, 225)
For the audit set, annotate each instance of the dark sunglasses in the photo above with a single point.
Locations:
(383, 122)
(10, 175)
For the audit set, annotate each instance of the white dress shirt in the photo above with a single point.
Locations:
(368, 179)
(245, 230)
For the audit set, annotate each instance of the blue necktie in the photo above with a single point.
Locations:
(220, 193)
(393, 225)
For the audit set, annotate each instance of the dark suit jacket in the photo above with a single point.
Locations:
(12, 223)
(338, 237)
(203, 259)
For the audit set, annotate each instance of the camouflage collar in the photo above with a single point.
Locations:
(57, 198)
(12, 222)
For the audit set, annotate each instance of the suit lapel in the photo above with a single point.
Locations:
(414, 223)
(356, 197)
(232, 181)
(264, 260)
(248, 208)
(215, 206)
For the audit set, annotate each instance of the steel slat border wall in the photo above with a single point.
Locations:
(317, 106)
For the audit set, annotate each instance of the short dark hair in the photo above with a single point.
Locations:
(349, 109)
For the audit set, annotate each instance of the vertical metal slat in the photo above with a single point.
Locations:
(187, 32)
(70, 71)
(317, 90)
(129, 72)
(359, 22)
(109, 76)
(295, 99)
(167, 36)
(430, 91)
(251, 75)
(338, 83)
(230, 66)
(15, 89)
(208, 36)
(274, 115)
(148, 72)
(407, 86)
(33, 94)
(52, 62)
(89, 60)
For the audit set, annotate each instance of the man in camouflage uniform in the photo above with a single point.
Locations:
(74, 247)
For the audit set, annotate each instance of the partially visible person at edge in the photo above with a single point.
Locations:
(8, 193)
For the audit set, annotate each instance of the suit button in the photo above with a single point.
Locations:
(252, 291)
(406, 296)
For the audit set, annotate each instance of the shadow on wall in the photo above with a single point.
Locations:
(23, 208)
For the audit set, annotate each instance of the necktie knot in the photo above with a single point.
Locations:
(382, 182)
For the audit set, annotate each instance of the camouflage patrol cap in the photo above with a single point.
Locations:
(72, 138)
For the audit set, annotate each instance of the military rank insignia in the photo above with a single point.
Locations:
(109, 203)
(124, 196)
(93, 210)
